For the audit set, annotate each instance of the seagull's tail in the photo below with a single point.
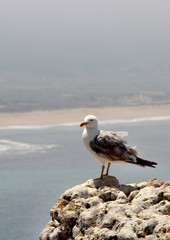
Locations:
(145, 163)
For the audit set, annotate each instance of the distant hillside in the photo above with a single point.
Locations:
(20, 92)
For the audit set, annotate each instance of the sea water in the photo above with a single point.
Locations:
(37, 164)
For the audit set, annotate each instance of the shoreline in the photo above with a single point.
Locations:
(67, 116)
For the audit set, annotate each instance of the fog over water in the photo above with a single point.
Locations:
(59, 54)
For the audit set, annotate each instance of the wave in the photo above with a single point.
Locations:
(136, 120)
(8, 146)
(73, 124)
(28, 127)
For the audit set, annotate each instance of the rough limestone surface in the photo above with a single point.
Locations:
(105, 210)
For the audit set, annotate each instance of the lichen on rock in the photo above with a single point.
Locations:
(105, 210)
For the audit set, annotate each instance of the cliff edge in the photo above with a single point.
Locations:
(105, 210)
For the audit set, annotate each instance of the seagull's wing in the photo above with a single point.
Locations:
(112, 147)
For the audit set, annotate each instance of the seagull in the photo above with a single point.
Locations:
(109, 147)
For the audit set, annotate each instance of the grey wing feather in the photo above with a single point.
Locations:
(111, 146)
(109, 139)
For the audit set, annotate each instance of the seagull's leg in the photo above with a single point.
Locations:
(103, 166)
(108, 167)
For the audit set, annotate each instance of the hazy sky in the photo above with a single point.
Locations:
(52, 37)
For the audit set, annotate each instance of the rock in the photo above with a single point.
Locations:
(133, 194)
(167, 196)
(104, 210)
(108, 194)
(149, 225)
(154, 183)
(122, 198)
(127, 234)
(142, 184)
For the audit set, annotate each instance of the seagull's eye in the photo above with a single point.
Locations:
(91, 120)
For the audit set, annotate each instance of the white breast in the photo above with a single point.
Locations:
(88, 136)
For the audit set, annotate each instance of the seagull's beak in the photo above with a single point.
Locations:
(83, 124)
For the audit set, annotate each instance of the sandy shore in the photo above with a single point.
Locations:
(77, 115)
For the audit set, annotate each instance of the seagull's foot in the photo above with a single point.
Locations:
(101, 176)
(105, 175)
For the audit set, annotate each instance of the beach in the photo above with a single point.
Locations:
(39, 163)
(67, 116)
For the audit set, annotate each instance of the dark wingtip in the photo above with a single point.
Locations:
(146, 163)
(150, 166)
(153, 163)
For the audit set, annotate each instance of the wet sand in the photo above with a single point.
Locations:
(77, 115)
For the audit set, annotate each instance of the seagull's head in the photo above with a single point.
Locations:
(90, 121)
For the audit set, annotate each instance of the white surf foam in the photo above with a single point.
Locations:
(8, 146)
(73, 124)
(29, 127)
(136, 120)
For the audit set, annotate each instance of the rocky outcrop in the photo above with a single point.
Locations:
(105, 210)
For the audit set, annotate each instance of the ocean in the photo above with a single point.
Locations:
(38, 163)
